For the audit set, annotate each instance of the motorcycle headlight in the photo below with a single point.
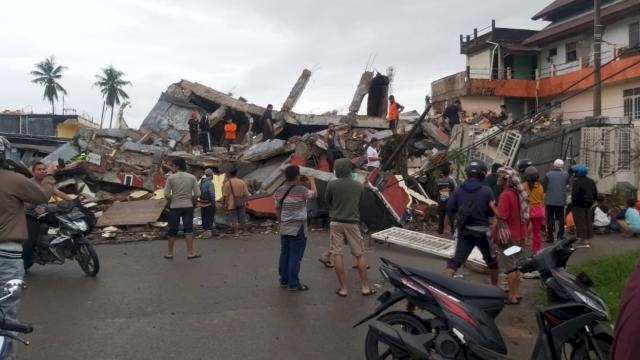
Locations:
(602, 307)
(80, 225)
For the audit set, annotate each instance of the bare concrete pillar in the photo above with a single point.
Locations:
(297, 90)
(217, 116)
(361, 91)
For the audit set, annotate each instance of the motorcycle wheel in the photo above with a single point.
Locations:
(584, 351)
(88, 259)
(376, 350)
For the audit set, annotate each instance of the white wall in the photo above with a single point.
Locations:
(617, 35)
(472, 104)
(581, 106)
(480, 64)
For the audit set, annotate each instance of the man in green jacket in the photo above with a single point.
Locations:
(343, 196)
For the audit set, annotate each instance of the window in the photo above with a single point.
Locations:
(623, 139)
(571, 53)
(631, 103)
(634, 34)
(128, 180)
(553, 52)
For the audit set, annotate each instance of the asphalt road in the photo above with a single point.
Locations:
(225, 305)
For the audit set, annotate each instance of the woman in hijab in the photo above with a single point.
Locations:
(513, 213)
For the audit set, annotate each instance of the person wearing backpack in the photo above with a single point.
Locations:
(473, 204)
(207, 204)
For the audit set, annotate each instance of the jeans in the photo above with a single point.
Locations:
(555, 213)
(442, 213)
(207, 214)
(467, 240)
(175, 214)
(10, 269)
(291, 253)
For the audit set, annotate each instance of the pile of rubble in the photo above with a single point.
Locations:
(123, 171)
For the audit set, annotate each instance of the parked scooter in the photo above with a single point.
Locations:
(463, 322)
(61, 234)
(12, 290)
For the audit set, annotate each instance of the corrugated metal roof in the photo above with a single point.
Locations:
(556, 5)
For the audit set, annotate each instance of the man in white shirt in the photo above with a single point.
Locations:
(373, 159)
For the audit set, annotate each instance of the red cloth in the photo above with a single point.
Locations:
(509, 210)
(625, 340)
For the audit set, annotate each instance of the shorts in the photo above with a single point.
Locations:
(393, 124)
(237, 216)
(346, 234)
(186, 214)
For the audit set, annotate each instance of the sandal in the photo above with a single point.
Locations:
(326, 263)
(517, 302)
(168, 257)
(299, 288)
(340, 294)
(371, 292)
(193, 256)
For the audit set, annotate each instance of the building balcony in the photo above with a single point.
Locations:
(574, 76)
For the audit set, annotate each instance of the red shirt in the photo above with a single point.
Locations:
(509, 209)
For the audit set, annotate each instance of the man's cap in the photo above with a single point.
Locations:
(558, 164)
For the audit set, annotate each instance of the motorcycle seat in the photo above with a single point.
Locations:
(461, 288)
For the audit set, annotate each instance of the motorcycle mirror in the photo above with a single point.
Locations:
(512, 250)
(14, 288)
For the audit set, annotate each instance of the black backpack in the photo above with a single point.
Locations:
(467, 210)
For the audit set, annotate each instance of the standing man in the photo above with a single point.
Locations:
(343, 197)
(235, 193)
(291, 204)
(249, 135)
(181, 191)
(207, 202)
(584, 193)
(492, 180)
(335, 145)
(205, 139)
(452, 115)
(393, 116)
(16, 190)
(473, 204)
(445, 185)
(373, 159)
(266, 120)
(193, 129)
(229, 132)
(555, 184)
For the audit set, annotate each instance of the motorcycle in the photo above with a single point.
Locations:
(61, 233)
(463, 322)
(12, 290)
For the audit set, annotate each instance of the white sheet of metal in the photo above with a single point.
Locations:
(430, 244)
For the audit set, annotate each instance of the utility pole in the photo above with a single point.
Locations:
(597, 45)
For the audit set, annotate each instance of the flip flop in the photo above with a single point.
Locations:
(326, 263)
(168, 257)
(193, 257)
(371, 292)
(517, 302)
(340, 294)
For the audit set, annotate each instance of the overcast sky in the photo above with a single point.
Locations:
(253, 48)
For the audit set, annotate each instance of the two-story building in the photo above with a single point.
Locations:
(529, 70)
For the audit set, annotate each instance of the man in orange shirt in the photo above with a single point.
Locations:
(229, 133)
(394, 114)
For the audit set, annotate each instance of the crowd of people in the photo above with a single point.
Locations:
(505, 207)
(202, 137)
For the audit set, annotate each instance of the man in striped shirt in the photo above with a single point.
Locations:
(291, 204)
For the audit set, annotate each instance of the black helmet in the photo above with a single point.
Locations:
(523, 164)
(476, 169)
(531, 173)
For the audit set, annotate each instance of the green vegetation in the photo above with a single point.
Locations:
(609, 274)
(111, 83)
(48, 74)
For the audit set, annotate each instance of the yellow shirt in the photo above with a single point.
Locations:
(536, 195)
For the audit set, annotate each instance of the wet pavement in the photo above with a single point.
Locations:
(225, 305)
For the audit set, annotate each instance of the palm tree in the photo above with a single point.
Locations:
(47, 74)
(111, 83)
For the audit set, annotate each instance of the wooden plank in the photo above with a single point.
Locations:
(128, 213)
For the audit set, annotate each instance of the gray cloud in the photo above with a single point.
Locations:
(255, 48)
